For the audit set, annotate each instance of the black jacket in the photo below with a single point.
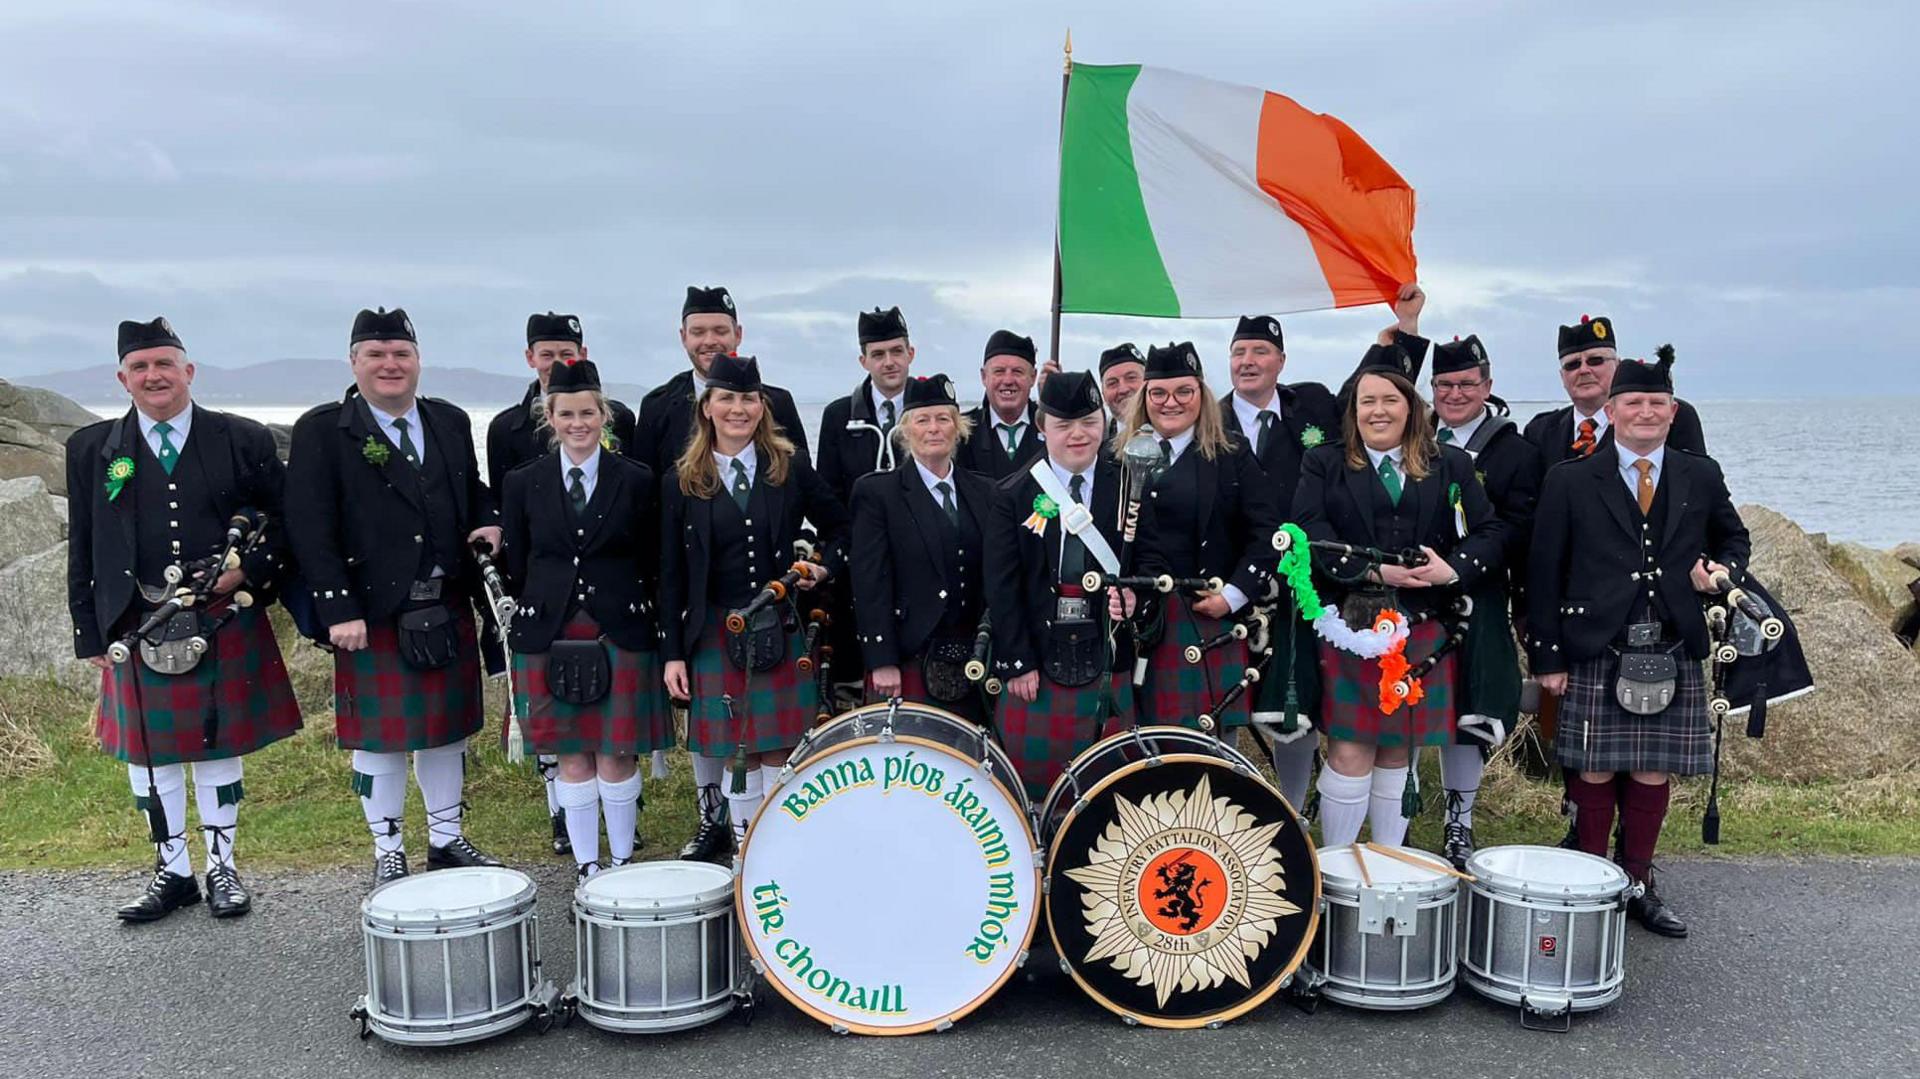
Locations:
(1552, 433)
(666, 418)
(357, 527)
(1303, 405)
(985, 450)
(686, 523)
(1510, 469)
(609, 556)
(244, 472)
(1338, 503)
(1023, 567)
(900, 554)
(851, 442)
(1235, 513)
(1592, 551)
(513, 438)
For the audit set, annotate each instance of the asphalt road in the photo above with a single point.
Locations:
(1795, 968)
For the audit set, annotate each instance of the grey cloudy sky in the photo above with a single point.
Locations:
(1734, 177)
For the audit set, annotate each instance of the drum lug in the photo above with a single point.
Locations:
(838, 1028)
(359, 1011)
(1551, 1014)
(1020, 961)
(1129, 1020)
(1384, 913)
(1303, 990)
(943, 1026)
(1216, 1024)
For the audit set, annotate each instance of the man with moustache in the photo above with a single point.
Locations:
(1006, 435)
(709, 327)
(1589, 355)
(1123, 371)
(516, 436)
(389, 501)
(148, 491)
(856, 431)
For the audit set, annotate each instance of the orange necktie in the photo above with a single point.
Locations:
(1584, 442)
(1645, 468)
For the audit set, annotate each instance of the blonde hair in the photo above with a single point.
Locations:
(700, 477)
(1209, 430)
(1418, 449)
(543, 423)
(962, 421)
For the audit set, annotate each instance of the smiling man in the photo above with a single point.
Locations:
(1006, 437)
(1589, 355)
(151, 491)
(709, 327)
(1123, 370)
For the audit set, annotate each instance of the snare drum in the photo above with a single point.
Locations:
(654, 947)
(452, 956)
(890, 883)
(1182, 890)
(1390, 945)
(1546, 929)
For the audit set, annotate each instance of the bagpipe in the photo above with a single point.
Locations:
(503, 606)
(981, 660)
(1755, 659)
(756, 647)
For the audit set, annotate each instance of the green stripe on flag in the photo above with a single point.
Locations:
(1109, 263)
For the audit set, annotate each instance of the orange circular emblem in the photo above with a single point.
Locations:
(1183, 891)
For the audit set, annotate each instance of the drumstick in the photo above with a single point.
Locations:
(1422, 863)
(1366, 878)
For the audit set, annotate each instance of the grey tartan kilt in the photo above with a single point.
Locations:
(1597, 735)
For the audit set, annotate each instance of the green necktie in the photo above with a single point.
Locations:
(577, 490)
(1446, 434)
(1267, 420)
(742, 489)
(1390, 479)
(1073, 553)
(407, 448)
(168, 455)
(946, 501)
(1013, 440)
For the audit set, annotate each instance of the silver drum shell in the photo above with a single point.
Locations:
(461, 976)
(1503, 953)
(1389, 946)
(655, 967)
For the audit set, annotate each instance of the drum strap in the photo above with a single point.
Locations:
(1076, 518)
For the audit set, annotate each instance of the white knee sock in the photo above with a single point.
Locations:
(620, 803)
(743, 806)
(1293, 767)
(381, 779)
(581, 803)
(549, 768)
(1461, 767)
(441, 772)
(1389, 828)
(171, 781)
(217, 792)
(1343, 807)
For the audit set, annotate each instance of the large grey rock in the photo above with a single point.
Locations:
(44, 410)
(1908, 553)
(1879, 577)
(31, 519)
(36, 633)
(26, 451)
(1864, 719)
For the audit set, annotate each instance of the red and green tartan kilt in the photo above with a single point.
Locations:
(1042, 738)
(913, 687)
(1177, 692)
(382, 705)
(1352, 704)
(772, 709)
(240, 685)
(631, 719)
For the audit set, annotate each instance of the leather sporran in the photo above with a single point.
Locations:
(1646, 682)
(943, 667)
(763, 644)
(1075, 650)
(578, 672)
(171, 650)
(428, 639)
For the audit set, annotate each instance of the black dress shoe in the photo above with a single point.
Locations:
(713, 840)
(1655, 915)
(165, 893)
(458, 854)
(226, 896)
(389, 866)
(1459, 845)
(562, 843)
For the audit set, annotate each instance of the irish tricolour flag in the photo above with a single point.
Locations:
(1185, 197)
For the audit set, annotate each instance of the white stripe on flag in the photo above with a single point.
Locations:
(1228, 247)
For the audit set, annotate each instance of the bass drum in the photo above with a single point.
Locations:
(1182, 889)
(891, 883)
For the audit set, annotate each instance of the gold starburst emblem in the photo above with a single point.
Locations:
(1181, 890)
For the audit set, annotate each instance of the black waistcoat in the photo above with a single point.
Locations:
(742, 557)
(961, 545)
(444, 540)
(1176, 507)
(1650, 607)
(1394, 526)
(178, 520)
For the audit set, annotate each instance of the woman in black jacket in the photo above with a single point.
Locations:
(580, 538)
(1391, 486)
(731, 511)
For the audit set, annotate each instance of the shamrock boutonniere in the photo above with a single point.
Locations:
(608, 441)
(119, 471)
(1312, 436)
(1459, 510)
(1044, 509)
(376, 451)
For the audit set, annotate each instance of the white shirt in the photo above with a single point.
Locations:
(1000, 436)
(589, 471)
(1249, 413)
(1179, 442)
(1464, 433)
(1375, 456)
(748, 457)
(415, 434)
(927, 477)
(1631, 475)
(699, 384)
(178, 434)
(880, 403)
(1066, 480)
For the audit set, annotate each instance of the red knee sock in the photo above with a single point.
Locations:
(1643, 808)
(1592, 813)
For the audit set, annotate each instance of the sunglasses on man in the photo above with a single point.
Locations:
(1591, 361)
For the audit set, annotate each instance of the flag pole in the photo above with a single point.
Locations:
(1066, 74)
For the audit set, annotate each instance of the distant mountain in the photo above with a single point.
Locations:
(304, 382)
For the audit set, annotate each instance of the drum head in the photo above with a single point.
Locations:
(1181, 894)
(1115, 752)
(889, 887)
(656, 888)
(448, 895)
(1339, 866)
(911, 719)
(1553, 871)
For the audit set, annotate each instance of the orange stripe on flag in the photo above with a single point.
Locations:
(1355, 208)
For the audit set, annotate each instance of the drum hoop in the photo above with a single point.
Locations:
(1060, 785)
(522, 900)
(1495, 882)
(995, 751)
(1339, 884)
(741, 905)
(718, 897)
(1261, 993)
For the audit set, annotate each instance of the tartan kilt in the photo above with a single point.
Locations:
(1042, 738)
(1595, 734)
(631, 719)
(772, 709)
(239, 689)
(913, 687)
(1303, 663)
(382, 705)
(1178, 691)
(1353, 696)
